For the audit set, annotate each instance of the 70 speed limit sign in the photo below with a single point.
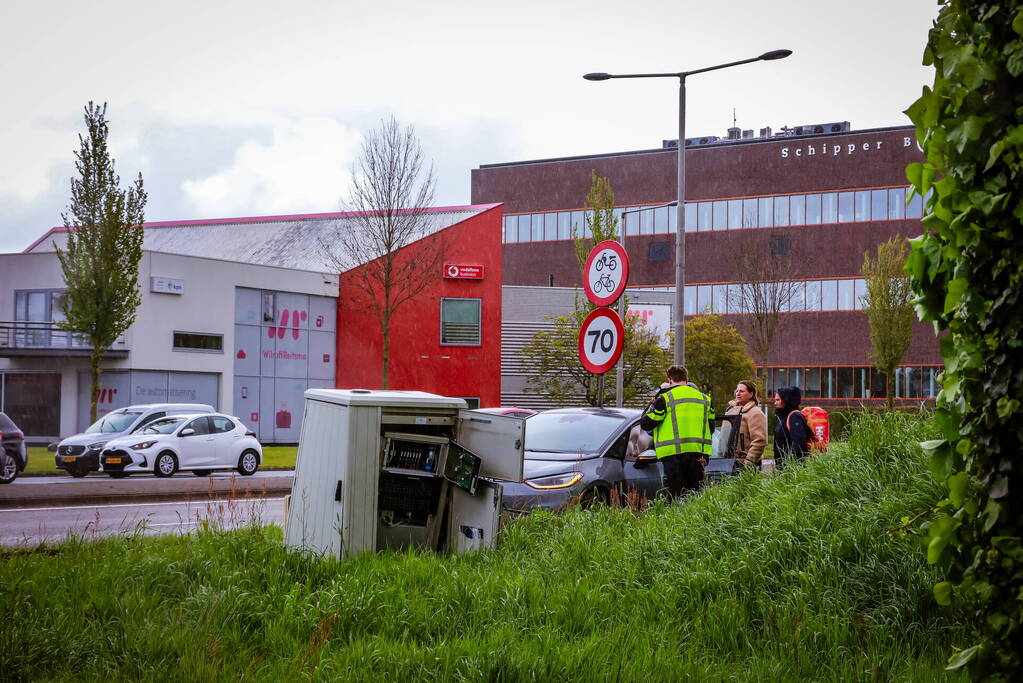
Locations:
(601, 339)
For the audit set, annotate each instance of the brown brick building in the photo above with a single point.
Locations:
(810, 200)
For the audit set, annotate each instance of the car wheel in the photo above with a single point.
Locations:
(248, 463)
(117, 475)
(8, 468)
(202, 473)
(166, 464)
(595, 496)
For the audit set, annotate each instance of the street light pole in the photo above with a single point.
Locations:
(680, 240)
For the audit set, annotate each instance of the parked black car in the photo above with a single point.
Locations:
(14, 457)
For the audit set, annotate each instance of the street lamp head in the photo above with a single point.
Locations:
(597, 77)
(775, 54)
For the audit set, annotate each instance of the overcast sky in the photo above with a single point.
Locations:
(248, 107)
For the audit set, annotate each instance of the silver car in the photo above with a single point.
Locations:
(583, 454)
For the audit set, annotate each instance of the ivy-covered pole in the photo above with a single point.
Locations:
(968, 278)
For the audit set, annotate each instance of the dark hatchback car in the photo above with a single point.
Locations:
(583, 454)
(14, 457)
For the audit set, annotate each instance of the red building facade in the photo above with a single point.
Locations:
(438, 341)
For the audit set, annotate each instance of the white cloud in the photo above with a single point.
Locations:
(305, 168)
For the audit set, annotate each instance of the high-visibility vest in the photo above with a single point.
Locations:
(682, 427)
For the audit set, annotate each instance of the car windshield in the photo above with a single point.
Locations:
(163, 426)
(572, 434)
(114, 422)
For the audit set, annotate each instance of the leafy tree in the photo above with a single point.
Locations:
(553, 355)
(555, 372)
(889, 308)
(716, 358)
(390, 198)
(100, 261)
(968, 279)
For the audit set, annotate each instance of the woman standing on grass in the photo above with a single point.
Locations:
(791, 434)
(752, 427)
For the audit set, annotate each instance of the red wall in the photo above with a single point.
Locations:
(418, 361)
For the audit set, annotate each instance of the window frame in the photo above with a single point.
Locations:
(479, 326)
(192, 349)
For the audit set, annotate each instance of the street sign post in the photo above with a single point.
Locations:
(606, 273)
(601, 339)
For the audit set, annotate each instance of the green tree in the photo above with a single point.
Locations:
(553, 355)
(716, 358)
(968, 280)
(889, 308)
(100, 261)
(556, 373)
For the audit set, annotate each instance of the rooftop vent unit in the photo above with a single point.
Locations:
(669, 144)
(822, 128)
(700, 142)
(733, 133)
(747, 134)
(765, 132)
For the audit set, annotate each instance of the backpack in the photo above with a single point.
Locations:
(816, 427)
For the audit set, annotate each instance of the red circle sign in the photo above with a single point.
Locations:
(601, 339)
(606, 273)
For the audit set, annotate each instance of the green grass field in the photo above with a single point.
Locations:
(41, 460)
(798, 576)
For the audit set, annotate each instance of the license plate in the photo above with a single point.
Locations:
(68, 458)
(113, 461)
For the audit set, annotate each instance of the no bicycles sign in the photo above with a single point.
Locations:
(606, 273)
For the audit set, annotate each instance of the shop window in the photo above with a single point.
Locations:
(460, 322)
(198, 341)
(846, 382)
(32, 400)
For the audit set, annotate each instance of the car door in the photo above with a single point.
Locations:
(225, 438)
(197, 449)
(642, 470)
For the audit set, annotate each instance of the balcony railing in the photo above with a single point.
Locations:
(20, 335)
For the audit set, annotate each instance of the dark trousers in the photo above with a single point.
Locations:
(683, 473)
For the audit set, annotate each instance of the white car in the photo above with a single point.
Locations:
(200, 443)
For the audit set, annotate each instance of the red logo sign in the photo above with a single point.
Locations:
(460, 271)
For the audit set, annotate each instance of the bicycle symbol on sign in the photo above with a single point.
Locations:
(611, 261)
(604, 283)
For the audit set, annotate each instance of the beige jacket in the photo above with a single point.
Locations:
(752, 431)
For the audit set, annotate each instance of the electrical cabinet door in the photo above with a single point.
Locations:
(474, 519)
(497, 439)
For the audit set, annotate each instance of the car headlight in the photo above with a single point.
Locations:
(143, 446)
(97, 446)
(558, 481)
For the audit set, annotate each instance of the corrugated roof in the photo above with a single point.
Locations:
(282, 241)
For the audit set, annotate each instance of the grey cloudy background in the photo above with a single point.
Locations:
(241, 108)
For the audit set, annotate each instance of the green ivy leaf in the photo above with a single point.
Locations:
(943, 593)
(957, 484)
(962, 658)
(1017, 23)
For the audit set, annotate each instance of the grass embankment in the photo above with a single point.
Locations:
(41, 460)
(765, 578)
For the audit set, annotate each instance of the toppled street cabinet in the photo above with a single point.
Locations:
(383, 470)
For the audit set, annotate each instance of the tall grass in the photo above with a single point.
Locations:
(763, 578)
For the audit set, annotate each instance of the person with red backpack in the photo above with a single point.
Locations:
(792, 434)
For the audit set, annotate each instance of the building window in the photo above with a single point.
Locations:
(460, 322)
(198, 341)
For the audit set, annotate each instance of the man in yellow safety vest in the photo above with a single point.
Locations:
(681, 418)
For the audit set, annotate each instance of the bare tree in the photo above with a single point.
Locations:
(764, 287)
(392, 190)
(889, 308)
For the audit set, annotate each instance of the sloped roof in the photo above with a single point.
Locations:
(283, 241)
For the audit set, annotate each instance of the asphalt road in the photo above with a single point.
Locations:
(31, 526)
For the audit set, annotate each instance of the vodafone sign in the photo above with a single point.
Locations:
(461, 271)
